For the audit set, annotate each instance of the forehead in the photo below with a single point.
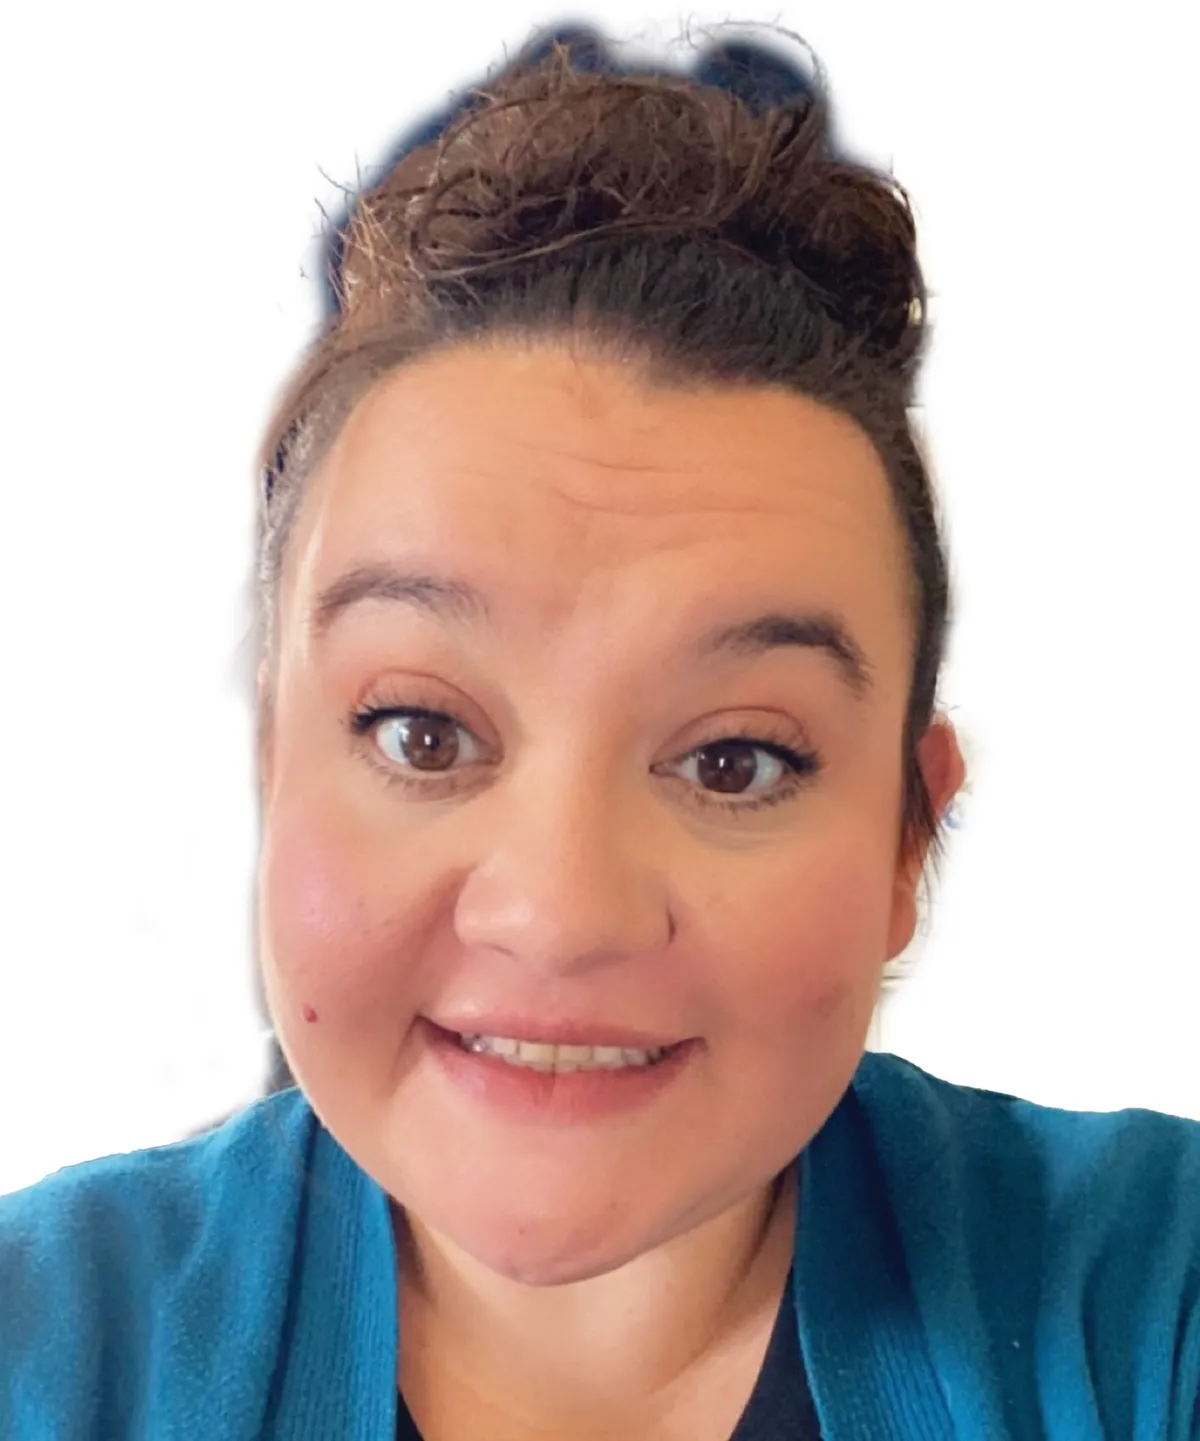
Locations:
(552, 477)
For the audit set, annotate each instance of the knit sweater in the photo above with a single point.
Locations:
(969, 1266)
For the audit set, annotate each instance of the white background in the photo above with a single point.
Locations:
(163, 172)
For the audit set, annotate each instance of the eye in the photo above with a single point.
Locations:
(419, 740)
(743, 765)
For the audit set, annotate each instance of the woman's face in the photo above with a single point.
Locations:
(584, 849)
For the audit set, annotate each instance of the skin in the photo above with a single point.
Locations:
(569, 866)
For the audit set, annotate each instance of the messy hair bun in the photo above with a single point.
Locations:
(552, 158)
(703, 225)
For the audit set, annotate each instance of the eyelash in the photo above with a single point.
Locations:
(802, 767)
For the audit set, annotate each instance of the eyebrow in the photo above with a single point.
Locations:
(460, 603)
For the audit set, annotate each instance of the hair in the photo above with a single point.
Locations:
(702, 226)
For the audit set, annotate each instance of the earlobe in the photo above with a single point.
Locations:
(942, 763)
(944, 770)
(265, 759)
(266, 730)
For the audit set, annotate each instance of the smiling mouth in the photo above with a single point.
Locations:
(543, 1056)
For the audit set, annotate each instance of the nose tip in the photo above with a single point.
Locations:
(564, 914)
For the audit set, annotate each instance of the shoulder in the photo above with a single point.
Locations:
(163, 1197)
(1060, 1239)
(103, 1265)
(1132, 1163)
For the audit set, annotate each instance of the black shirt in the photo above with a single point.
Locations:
(780, 1407)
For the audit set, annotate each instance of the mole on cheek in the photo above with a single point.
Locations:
(309, 1014)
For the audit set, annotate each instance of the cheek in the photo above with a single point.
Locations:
(332, 961)
(810, 946)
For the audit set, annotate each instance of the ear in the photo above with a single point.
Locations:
(944, 769)
(265, 713)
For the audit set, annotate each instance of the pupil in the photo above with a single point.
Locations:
(428, 749)
(732, 770)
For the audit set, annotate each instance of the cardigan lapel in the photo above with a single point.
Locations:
(884, 1361)
(339, 1372)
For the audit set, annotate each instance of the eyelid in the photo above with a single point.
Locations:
(777, 731)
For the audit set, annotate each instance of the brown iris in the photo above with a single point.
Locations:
(729, 767)
(431, 742)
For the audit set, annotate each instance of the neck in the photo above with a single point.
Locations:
(645, 1329)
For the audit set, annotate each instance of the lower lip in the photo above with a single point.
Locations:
(520, 1093)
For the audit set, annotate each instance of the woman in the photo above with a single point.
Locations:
(603, 604)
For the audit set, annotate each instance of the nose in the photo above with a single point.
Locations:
(565, 882)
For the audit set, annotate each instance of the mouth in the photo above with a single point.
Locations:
(558, 1047)
(556, 1081)
(547, 1056)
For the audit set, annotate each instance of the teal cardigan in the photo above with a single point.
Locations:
(969, 1267)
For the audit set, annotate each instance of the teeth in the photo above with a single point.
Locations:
(540, 1056)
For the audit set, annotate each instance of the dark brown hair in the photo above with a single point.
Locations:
(702, 226)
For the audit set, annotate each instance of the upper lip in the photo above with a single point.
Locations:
(555, 1033)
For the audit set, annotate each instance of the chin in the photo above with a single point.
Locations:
(543, 1250)
(536, 1265)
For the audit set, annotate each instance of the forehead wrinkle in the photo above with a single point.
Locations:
(681, 496)
(684, 522)
(782, 487)
(604, 422)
